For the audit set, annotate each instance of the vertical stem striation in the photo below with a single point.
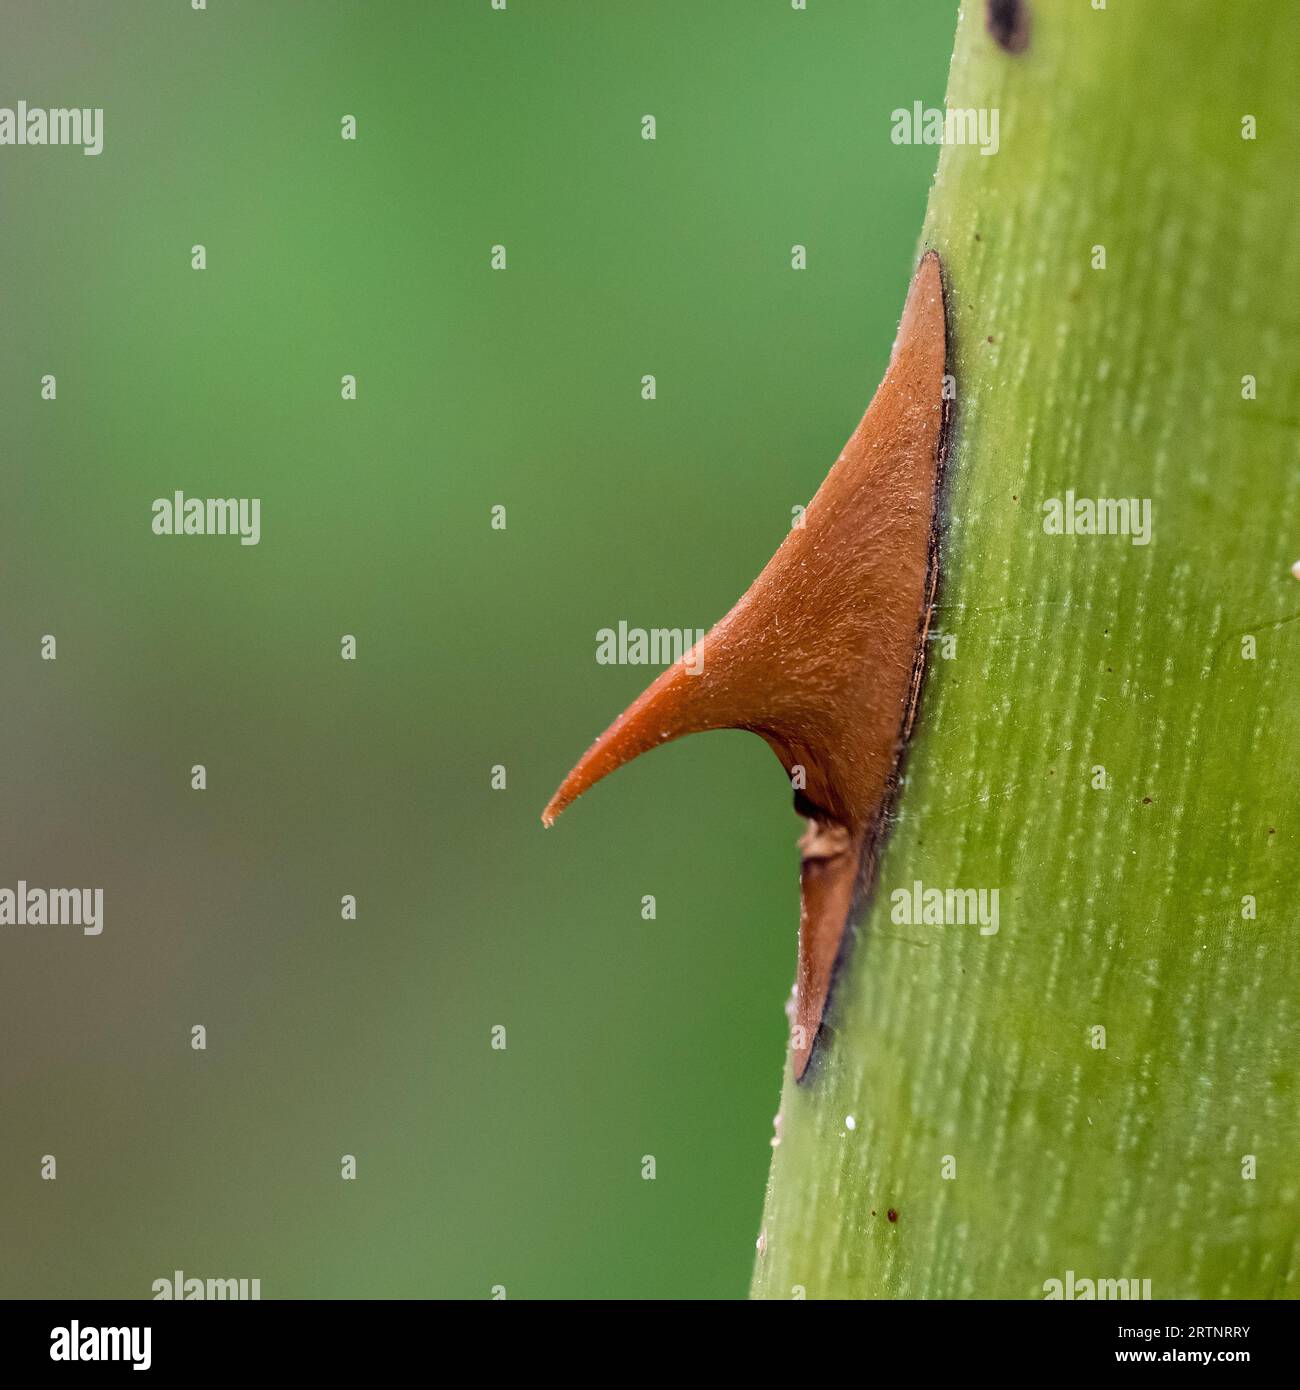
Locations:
(1154, 900)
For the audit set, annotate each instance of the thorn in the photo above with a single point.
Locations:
(822, 656)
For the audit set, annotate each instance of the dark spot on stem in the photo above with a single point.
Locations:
(1008, 22)
(892, 1214)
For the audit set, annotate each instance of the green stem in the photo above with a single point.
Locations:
(1173, 665)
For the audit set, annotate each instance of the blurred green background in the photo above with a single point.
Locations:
(476, 647)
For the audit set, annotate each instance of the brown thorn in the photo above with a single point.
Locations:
(823, 655)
